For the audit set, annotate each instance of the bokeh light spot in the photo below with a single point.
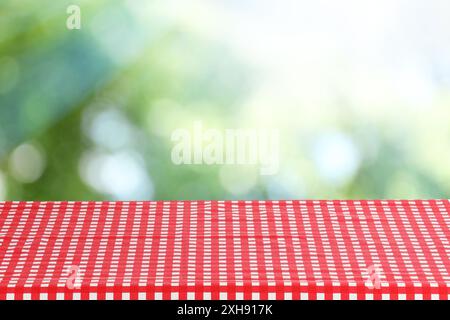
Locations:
(110, 129)
(122, 174)
(27, 163)
(336, 157)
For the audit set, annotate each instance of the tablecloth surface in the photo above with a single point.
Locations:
(225, 250)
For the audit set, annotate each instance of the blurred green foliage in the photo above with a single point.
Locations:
(150, 74)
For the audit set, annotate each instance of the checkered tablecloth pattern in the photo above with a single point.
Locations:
(225, 250)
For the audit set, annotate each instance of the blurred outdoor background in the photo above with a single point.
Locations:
(359, 90)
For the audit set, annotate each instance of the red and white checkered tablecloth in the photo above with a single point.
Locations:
(225, 250)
